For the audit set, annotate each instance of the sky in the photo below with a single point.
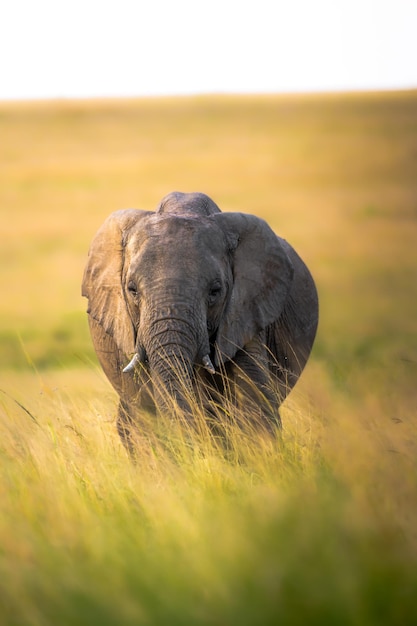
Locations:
(106, 48)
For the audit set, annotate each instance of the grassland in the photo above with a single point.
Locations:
(320, 527)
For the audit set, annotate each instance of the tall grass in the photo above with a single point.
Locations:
(316, 525)
(310, 526)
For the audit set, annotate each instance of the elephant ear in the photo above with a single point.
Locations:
(102, 282)
(262, 276)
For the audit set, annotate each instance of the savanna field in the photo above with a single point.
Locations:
(318, 526)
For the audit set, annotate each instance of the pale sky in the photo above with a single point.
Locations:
(100, 48)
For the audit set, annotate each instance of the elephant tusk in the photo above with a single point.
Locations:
(131, 366)
(208, 364)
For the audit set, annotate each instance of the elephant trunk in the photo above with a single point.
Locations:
(172, 350)
(172, 376)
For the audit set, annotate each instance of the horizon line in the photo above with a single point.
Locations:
(204, 94)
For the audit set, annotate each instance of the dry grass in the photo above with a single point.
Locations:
(318, 527)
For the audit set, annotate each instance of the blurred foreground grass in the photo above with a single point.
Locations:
(320, 527)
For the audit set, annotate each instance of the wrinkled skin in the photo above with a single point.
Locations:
(206, 302)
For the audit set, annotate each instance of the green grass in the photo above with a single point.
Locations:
(319, 526)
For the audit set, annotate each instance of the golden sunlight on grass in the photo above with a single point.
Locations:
(317, 525)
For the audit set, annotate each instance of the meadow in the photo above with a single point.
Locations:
(317, 526)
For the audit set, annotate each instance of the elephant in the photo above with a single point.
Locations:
(188, 304)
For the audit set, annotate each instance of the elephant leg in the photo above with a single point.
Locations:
(254, 385)
(125, 428)
(136, 425)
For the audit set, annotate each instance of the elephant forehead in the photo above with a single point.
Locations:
(195, 235)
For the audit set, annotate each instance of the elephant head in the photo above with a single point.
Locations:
(184, 287)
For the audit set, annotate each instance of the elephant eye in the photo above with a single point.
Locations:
(132, 288)
(214, 293)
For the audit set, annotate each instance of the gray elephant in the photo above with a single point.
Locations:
(203, 304)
